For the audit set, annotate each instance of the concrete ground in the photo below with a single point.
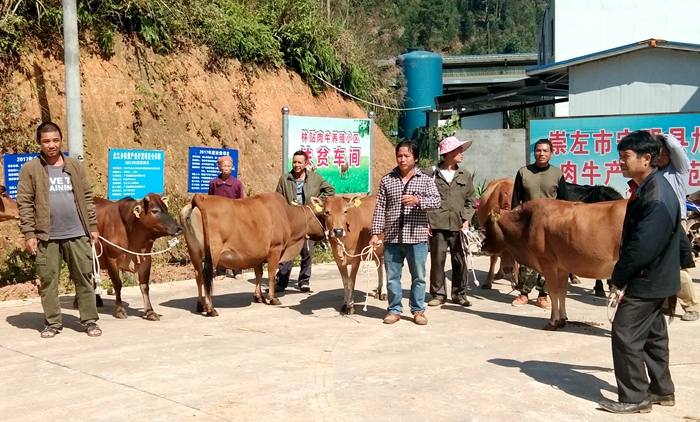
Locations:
(303, 361)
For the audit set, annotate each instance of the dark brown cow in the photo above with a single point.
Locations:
(8, 207)
(498, 194)
(132, 225)
(556, 238)
(348, 221)
(244, 233)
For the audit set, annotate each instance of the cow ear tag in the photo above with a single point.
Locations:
(318, 208)
(137, 211)
(357, 203)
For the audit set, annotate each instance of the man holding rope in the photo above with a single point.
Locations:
(58, 220)
(458, 204)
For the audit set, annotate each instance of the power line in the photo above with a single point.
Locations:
(368, 102)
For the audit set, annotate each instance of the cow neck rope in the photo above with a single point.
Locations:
(367, 255)
(172, 242)
(307, 221)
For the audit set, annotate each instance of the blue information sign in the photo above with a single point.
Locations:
(585, 148)
(135, 173)
(203, 167)
(12, 163)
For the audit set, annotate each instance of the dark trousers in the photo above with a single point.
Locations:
(285, 268)
(440, 241)
(640, 348)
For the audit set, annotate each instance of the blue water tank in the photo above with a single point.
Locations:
(423, 73)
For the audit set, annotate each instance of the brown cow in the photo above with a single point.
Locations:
(132, 225)
(345, 170)
(244, 233)
(498, 194)
(556, 238)
(8, 207)
(348, 222)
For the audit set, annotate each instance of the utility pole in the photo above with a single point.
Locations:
(71, 59)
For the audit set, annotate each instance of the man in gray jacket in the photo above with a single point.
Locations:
(675, 167)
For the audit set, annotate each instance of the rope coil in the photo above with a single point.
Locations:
(367, 255)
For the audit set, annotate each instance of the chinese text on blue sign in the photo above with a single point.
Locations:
(135, 173)
(204, 168)
(585, 148)
(12, 163)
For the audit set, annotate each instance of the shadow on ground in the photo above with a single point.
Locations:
(35, 321)
(571, 379)
(536, 323)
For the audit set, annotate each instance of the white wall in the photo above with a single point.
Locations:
(494, 153)
(584, 27)
(638, 82)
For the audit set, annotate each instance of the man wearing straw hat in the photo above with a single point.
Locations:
(458, 204)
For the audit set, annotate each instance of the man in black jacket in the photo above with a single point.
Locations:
(648, 270)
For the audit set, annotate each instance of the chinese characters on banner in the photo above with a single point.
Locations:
(333, 145)
(585, 148)
(135, 173)
(203, 167)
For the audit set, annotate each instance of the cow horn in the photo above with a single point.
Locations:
(355, 201)
(138, 210)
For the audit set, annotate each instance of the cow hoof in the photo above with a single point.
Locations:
(200, 308)
(382, 296)
(120, 314)
(562, 322)
(152, 316)
(275, 301)
(259, 299)
(98, 301)
(350, 310)
(486, 287)
(212, 313)
(550, 327)
(599, 293)
(344, 308)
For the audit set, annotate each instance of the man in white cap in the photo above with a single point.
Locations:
(537, 180)
(458, 204)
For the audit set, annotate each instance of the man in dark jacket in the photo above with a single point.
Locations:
(648, 271)
(457, 206)
(298, 187)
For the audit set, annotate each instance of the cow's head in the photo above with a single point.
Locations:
(493, 235)
(335, 211)
(8, 207)
(152, 213)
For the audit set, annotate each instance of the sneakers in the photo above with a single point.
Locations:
(519, 301)
(391, 318)
(420, 319)
(690, 316)
(304, 287)
(435, 302)
(543, 302)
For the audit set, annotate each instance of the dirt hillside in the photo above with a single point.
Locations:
(139, 99)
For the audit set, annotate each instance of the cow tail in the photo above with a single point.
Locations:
(208, 270)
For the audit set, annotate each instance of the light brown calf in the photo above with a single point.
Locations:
(498, 194)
